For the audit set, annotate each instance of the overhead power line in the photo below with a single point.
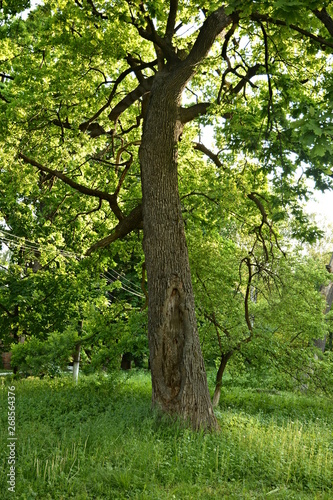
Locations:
(111, 275)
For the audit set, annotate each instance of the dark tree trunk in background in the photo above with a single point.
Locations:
(218, 384)
(179, 381)
(126, 361)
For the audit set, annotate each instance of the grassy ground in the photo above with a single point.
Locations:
(101, 441)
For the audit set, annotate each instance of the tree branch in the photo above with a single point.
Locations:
(211, 28)
(263, 17)
(162, 46)
(137, 68)
(325, 18)
(125, 226)
(170, 27)
(196, 193)
(99, 206)
(251, 72)
(270, 90)
(133, 96)
(188, 114)
(111, 198)
(254, 197)
(246, 299)
(3, 98)
(123, 174)
(214, 157)
(95, 11)
(4, 76)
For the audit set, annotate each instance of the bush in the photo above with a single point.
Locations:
(38, 358)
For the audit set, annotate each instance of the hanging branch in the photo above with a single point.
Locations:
(246, 299)
(254, 197)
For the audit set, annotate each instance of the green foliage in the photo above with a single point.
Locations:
(285, 307)
(12, 7)
(269, 442)
(37, 357)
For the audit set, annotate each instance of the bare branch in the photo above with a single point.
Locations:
(214, 157)
(192, 112)
(170, 27)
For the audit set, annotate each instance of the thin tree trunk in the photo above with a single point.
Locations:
(218, 384)
(179, 381)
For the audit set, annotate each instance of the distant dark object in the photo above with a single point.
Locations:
(126, 361)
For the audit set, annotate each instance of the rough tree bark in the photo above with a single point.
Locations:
(178, 375)
(179, 381)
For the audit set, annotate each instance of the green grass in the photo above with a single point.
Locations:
(100, 440)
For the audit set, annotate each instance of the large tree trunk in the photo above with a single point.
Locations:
(179, 381)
